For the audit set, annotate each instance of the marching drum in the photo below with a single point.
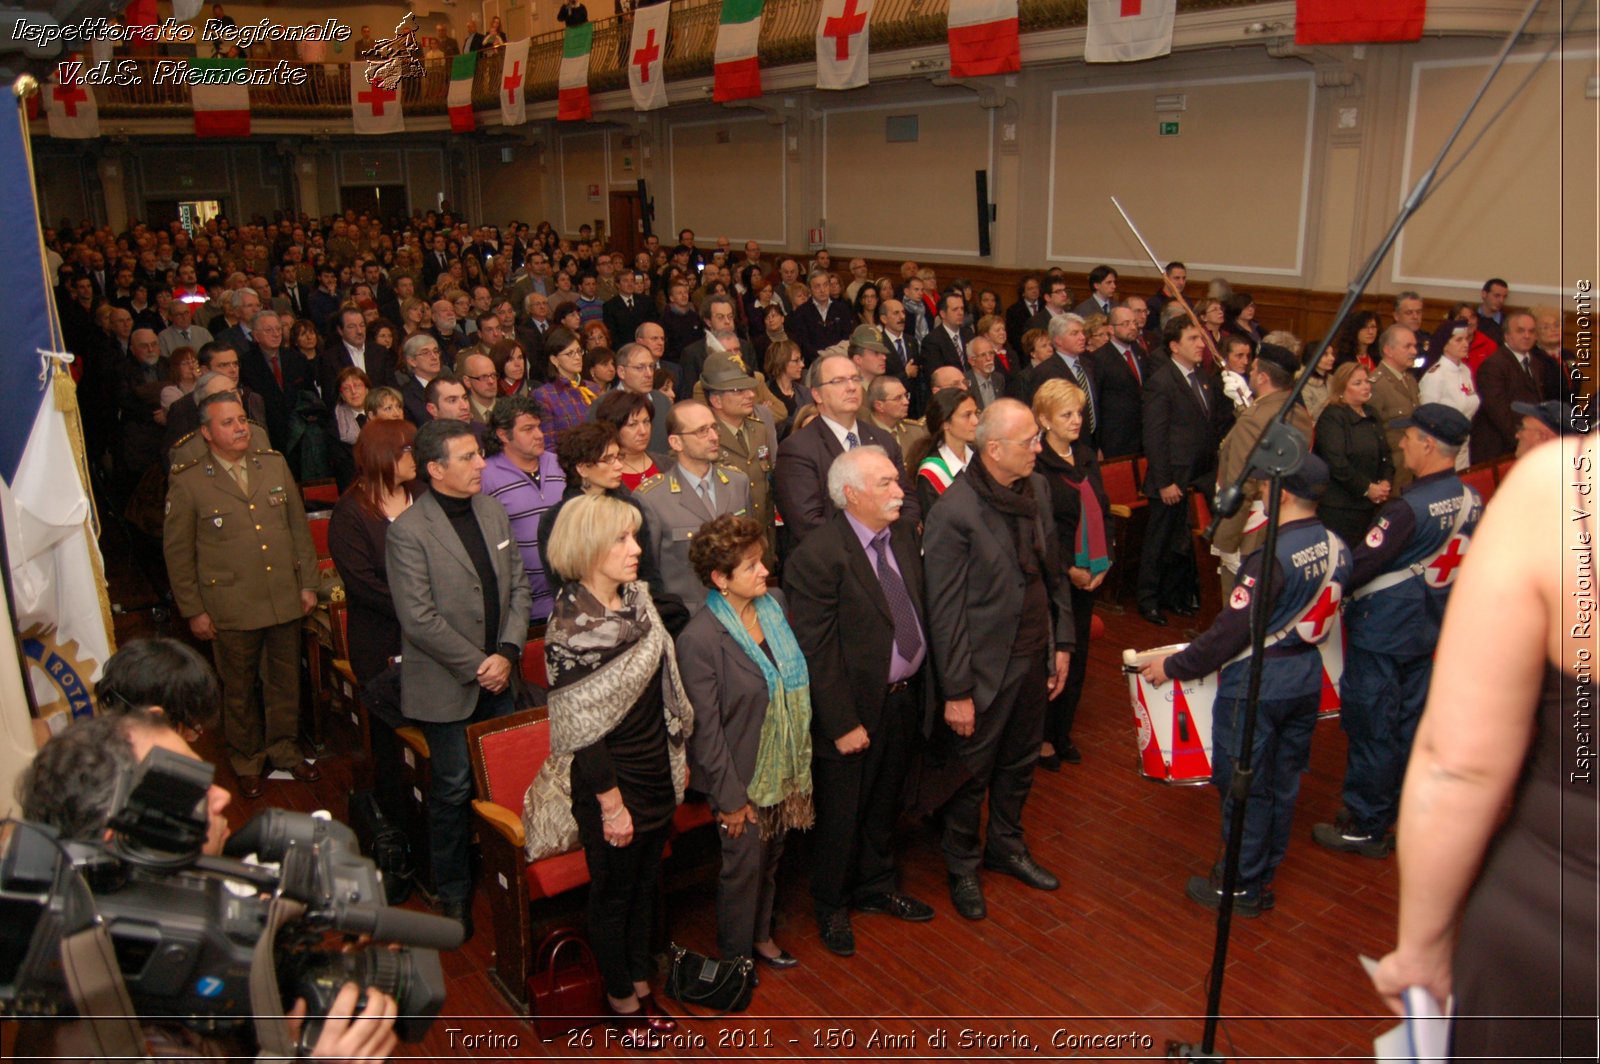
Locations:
(1173, 721)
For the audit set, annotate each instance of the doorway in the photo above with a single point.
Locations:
(379, 201)
(194, 214)
(627, 223)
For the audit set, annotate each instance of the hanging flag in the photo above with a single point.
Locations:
(738, 70)
(462, 70)
(62, 619)
(513, 78)
(572, 83)
(842, 44)
(983, 38)
(70, 107)
(373, 108)
(647, 74)
(1358, 21)
(220, 110)
(184, 10)
(1122, 31)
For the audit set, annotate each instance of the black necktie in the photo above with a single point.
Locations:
(1199, 392)
(907, 636)
(361, 419)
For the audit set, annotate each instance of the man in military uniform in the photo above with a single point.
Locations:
(692, 491)
(244, 573)
(748, 444)
(888, 403)
(192, 445)
(1395, 392)
(1304, 585)
(1399, 588)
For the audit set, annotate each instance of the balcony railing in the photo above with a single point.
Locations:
(788, 36)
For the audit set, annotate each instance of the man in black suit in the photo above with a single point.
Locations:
(805, 457)
(1019, 313)
(624, 312)
(350, 348)
(1056, 297)
(423, 362)
(1068, 363)
(322, 306)
(1517, 373)
(1118, 370)
(1103, 294)
(855, 599)
(820, 322)
(1000, 619)
(946, 342)
(434, 262)
(276, 373)
(296, 296)
(717, 313)
(1184, 418)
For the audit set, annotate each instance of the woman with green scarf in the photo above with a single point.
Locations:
(751, 748)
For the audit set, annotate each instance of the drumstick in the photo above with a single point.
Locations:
(1216, 356)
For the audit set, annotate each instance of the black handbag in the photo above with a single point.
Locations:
(707, 983)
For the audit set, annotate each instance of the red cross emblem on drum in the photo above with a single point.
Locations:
(1441, 572)
(1314, 624)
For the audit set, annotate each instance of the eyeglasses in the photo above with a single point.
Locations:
(479, 376)
(704, 430)
(406, 449)
(853, 381)
(1031, 442)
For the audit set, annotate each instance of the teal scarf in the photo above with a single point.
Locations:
(780, 788)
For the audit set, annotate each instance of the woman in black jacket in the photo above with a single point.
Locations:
(1082, 512)
(1356, 449)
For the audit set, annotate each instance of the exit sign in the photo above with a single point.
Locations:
(1169, 129)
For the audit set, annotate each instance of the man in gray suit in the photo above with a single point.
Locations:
(691, 492)
(462, 597)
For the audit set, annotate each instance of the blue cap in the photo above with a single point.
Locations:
(1444, 423)
(1309, 481)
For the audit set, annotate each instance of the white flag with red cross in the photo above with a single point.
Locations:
(842, 44)
(1122, 31)
(373, 108)
(514, 84)
(647, 53)
(70, 106)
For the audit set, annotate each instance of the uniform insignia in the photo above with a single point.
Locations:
(1248, 581)
(1433, 368)
(761, 453)
(652, 481)
(217, 521)
(1375, 535)
(1239, 599)
(168, 507)
(721, 476)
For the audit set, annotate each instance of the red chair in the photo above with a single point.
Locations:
(1502, 468)
(1121, 477)
(533, 667)
(319, 493)
(319, 523)
(1481, 478)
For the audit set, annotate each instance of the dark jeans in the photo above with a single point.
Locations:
(623, 883)
(450, 796)
(1167, 573)
(1280, 753)
(1382, 698)
(1063, 709)
(999, 755)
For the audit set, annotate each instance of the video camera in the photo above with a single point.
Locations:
(185, 926)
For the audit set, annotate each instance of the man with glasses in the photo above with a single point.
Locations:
(804, 458)
(636, 369)
(890, 409)
(692, 491)
(1000, 621)
(423, 363)
(483, 386)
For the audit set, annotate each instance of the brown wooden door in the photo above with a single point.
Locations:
(626, 223)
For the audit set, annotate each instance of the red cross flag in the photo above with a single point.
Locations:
(514, 83)
(70, 108)
(647, 74)
(373, 108)
(1122, 31)
(983, 38)
(842, 44)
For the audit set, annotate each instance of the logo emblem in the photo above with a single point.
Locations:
(1239, 599)
(209, 986)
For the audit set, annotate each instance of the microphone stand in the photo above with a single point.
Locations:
(1279, 452)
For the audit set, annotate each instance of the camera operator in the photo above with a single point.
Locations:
(72, 785)
(163, 676)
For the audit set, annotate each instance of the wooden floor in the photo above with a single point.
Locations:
(1111, 966)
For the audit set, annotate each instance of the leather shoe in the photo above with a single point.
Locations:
(1071, 754)
(966, 893)
(1153, 616)
(460, 911)
(633, 1028)
(251, 786)
(1050, 762)
(1183, 611)
(656, 1018)
(1022, 866)
(836, 933)
(306, 772)
(782, 962)
(894, 904)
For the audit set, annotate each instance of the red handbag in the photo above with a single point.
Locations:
(565, 992)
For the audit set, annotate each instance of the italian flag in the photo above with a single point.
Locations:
(572, 100)
(462, 69)
(220, 110)
(738, 68)
(983, 38)
(1358, 21)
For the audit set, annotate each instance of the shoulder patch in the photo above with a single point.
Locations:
(1375, 534)
(1240, 598)
(1433, 368)
(650, 482)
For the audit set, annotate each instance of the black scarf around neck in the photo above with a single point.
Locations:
(1019, 507)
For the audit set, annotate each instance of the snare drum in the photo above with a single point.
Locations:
(1173, 721)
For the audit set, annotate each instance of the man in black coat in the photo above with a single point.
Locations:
(1119, 371)
(821, 322)
(1184, 418)
(855, 598)
(1022, 311)
(805, 456)
(276, 373)
(1000, 620)
(1517, 373)
(624, 312)
(350, 348)
(946, 342)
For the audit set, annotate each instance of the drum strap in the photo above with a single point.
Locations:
(1335, 554)
(1394, 579)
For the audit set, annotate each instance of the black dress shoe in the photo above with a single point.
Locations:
(902, 905)
(835, 930)
(1071, 754)
(782, 962)
(966, 894)
(1183, 611)
(1022, 866)
(1050, 762)
(251, 786)
(306, 772)
(1200, 891)
(460, 911)
(1153, 616)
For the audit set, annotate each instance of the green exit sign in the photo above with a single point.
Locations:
(185, 181)
(1169, 129)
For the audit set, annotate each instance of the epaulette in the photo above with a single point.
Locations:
(650, 482)
(1433, 367)
(179, 467)
(185, 438)
(920, 422)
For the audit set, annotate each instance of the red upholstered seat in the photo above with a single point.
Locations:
(319, 493)
(1121, 481)
(319, 534)
(1482, 478)
(533, 669)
